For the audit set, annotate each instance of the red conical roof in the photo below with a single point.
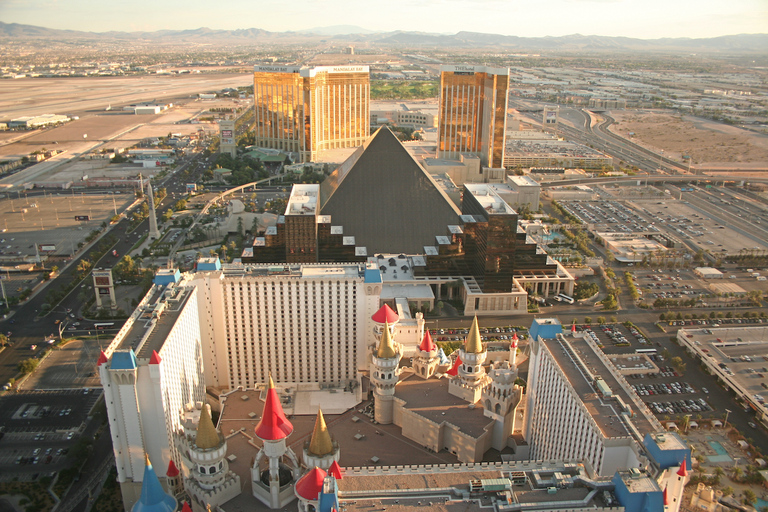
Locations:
(173, 471)
(666, 500)
(427, 345)
(186, 507)
(155, 358)
(514, 340)
(310, 485)
(335, 470)
(102, 359)
(385, 314)
(682, 471)
(455, 368)
(573, 328)
(273, 424)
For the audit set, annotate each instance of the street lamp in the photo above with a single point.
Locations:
(727, 412)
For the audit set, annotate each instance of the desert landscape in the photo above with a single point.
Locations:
(709, 144)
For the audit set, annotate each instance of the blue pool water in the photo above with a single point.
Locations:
(718, 448)
(761, 504)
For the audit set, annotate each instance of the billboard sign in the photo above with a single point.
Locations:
(103, 291)
(47, 248)
(82, 217)
(551, 117)
(227, 137)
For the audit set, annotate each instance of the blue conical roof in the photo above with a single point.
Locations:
(153, 497)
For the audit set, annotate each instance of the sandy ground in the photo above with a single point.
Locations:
(707, 142)
(75, 96)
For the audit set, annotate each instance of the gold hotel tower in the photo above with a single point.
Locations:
(310, 110)
(473, 113)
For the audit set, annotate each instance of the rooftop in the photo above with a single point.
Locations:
(489, 198)
(303, 200)
(430, 399)
(154, 320)
(605, 411)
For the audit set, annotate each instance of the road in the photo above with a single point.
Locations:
(29, 328)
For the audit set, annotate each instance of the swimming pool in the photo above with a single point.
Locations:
(718, 448)
(722, 454)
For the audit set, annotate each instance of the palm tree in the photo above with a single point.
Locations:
(736, 472)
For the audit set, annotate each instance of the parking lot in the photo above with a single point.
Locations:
(650, 375)
(49, 221)
(71, 366)
(40, 429)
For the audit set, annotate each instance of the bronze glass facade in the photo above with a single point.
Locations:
(308, 110)
(473, 112)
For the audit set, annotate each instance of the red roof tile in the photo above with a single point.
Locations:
(172, 470)
(385, 314)
(310, 485)
(155, 358)
(273, 424)
(335, 470)
(102, 359)
(455, 368)
(427, 345)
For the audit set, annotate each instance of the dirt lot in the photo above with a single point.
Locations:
(707, 142)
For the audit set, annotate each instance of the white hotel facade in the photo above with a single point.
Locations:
(301, 323)
(570, 416)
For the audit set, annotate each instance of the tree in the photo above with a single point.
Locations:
(587, 319)
(727, 491)
(736, 473)
(180, 205)
(749, 497)
(167, 215)
(3, 340)
(28, 365)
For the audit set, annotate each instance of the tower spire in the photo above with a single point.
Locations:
(154, 233)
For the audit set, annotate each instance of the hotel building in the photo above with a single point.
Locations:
(152, 368)
(578, 406)
(310, 110)
(473, 113)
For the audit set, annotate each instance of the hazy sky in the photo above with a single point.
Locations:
(646, 19)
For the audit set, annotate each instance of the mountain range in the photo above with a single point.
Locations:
(345, 34)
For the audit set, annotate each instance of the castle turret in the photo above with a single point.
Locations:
(153, 498)
(500, 400)
(309, 488)
(321, 450)
(384, 375)
(273, 485)
(173, 479)
(426, 361)
(204, 449)
(471, 378)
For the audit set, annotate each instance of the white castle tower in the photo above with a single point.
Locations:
(203, 450)
(321, 450)
(471, 378)
(426, 361)
(273, 485)
(154, 233)
(384, 375)
(500, 400)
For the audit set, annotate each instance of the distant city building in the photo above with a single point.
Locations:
(473, 112)
(310, 110)
(30, 122)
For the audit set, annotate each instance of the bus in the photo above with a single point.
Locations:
(645, 351)
(566, 298)
(105, 325)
